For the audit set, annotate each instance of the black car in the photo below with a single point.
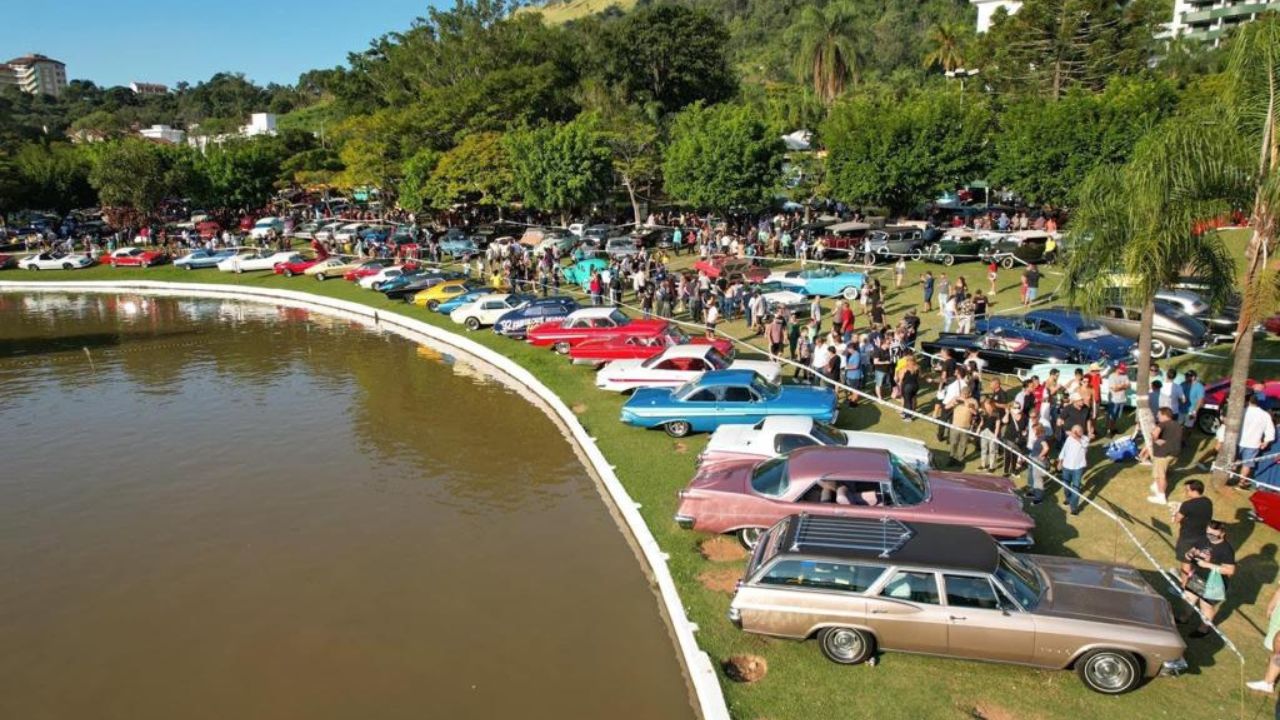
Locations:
(515, 323)
(407, 285)
(1020, 248)
(1002, 354)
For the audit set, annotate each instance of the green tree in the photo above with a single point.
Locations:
(948, 41)
(669, 56)
(722, 157)
(560, 168)
(1138, 222)
(53, 177)
(636, 157)
(416, 176)
(900, 153)
(239, 174)
(477, 171)
(134, 174)
(827, 47)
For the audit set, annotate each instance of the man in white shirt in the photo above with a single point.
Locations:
(1073, 459)
(1257, 432)
(815, 313)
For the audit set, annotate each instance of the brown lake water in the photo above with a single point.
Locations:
(233, 510)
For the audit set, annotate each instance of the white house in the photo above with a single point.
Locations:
(164, 133)
(987, 8)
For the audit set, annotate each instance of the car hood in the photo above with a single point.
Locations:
(1101, 591)
(978, 500)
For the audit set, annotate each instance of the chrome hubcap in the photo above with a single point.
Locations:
(844, 643)
(1109, 672)
(750, 536)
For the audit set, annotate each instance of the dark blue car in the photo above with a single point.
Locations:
(1065, 328)
(539, 310)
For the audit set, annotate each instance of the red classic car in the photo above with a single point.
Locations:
(731, 268)
(747, 496)
(8, 261)
(134, 257)
(640, 346)
(372, 267)
(593, 323)
(208, 229)
(296, 267)
(1215, 396)
(1272, 324)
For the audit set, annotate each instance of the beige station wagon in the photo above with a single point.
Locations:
(859, 585)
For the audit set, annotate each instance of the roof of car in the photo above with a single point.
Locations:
(787, 424)
(688, 350)
(839, 462)
(593, 312)
(728, 377)
(947, 547)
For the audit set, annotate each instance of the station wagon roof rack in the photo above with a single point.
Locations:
(881, 536)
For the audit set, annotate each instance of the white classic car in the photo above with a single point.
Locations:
(779, 435)
(676, 366)
(55, 260)
(264, 226)
(371, 282)
(256, 260)
(486, 310)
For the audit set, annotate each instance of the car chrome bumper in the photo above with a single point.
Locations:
(1173, 668)
(1019, 543)
(684, 521)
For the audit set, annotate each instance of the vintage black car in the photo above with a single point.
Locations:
(955, 246)
(890, 242)
(1020, 248)
(1002, 354)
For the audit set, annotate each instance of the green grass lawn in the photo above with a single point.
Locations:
(800, 684)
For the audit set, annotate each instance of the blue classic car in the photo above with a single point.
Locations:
(1062, 327)
(822, 280)
(579, 273)
(539, 310)
(724, 397)
(448, 306)
(202, 259)
(458, 246)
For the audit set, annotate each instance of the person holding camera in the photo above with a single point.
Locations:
(1213, 562)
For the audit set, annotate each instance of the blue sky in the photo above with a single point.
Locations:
(113, 42)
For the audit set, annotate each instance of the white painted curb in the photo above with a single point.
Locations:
(698, 666)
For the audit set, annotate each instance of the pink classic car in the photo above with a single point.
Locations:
(746, 497)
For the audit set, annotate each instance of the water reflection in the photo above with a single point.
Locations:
(240, 510)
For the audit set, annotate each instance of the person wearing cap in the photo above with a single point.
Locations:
(1117, 395)
(1013, 431)
(1075, 412)
(1193, 391)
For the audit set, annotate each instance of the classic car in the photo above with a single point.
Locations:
(289, 268)
(198, 259)
(55, 260)
(134, 257)
(593, 323)
(860, 585)
(676, 366)
(1017, 248)
(1215, 397)
(1171, 329)
(1272, 324)
(780, 435)
(822, 280)
(515, 323)
(579, 273)
(888, 244)
(1222, 324)
(641, 345)
(842, 238)
(410, 284)
(458, 246)
(620, 247)
(327, 231)
(955, 246)
(486, 309)
(724, 397)
(561, 242)
(1063, 327)
(431, 297)
(365, 269)
(731, 268)
(781, 296)
(349, 232)
(8, 261)
(335, 266)
(375, 280)
(446, 307)
(256, 260)
(264, 226)
(306, 230)
(745, 497)
(1002, 352)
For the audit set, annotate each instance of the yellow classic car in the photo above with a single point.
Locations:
(436, 294)
(333, 267)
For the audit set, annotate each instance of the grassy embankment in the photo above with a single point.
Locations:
(800, 684)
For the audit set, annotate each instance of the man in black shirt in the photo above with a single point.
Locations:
(1193, 517)
(1074, 413)
(1211, 555)
(1166, 444)
(1032, 276)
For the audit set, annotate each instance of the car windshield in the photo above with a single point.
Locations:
(829, 434)
(1020, 578)
(909, 485)
(765, 388)
(717, 359)
(618, 317)
(685, 390)
(770, 477)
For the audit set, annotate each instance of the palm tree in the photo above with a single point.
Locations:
(827, 47)
(948, 40)
(1138, 222)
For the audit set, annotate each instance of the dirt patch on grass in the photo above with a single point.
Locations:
(721, 549)
(988, 711)
(680, 448)
(723, 580)
(578, 408)
(746, 668)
